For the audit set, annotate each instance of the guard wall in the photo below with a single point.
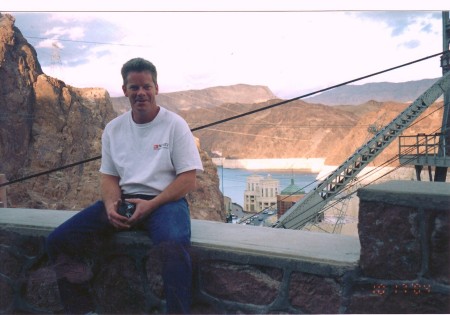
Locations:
(399, 263)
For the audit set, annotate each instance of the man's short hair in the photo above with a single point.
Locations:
(138, 65)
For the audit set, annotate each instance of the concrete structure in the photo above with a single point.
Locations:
(314, 202)
(313, 165)
(261, 193)
(288, 197)
(444, 141)
(432, 150)
(251, 193)
(399, 263)
(425, 150)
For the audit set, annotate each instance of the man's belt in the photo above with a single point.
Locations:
(137, 196)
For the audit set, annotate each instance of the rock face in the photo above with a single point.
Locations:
(303, 130)
(47, 124)
(19, 70)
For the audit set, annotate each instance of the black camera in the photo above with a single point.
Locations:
(126, 209)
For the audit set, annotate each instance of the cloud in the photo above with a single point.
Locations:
(72, 33)
(73, 36)
(290, 52)
(400, 21)
(411, 44)
(49, 43)
(427, 28)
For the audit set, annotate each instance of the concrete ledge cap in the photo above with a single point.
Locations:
(292, 244)
(339, 250)
(429, 195)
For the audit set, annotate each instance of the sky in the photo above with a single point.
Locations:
(289, 48)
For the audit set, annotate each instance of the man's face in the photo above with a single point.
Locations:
(141, 92)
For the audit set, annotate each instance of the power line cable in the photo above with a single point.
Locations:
(395, 158)
(313, 93)
(87, 42)
(360, 179)
(258, 135)
(201, 98)
(348, 187)
(338, 200)
(49, 171)
(238, 116)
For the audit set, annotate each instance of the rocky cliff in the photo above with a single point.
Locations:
(19, 70)
(46, 124)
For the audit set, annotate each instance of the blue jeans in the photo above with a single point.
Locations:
(169, 227)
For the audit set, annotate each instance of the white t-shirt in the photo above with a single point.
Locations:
(147, 157)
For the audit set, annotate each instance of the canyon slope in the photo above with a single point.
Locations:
(302, 128)
(47, 124)
(299, 129)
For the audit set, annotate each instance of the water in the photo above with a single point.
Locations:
(233, 181)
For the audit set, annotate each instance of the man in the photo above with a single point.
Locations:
(149, 158)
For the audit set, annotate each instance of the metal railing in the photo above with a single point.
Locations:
(423, 149)
(314, 202)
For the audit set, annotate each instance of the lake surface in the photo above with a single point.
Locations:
(233, 181)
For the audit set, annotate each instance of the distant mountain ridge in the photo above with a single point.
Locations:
(301, 128)
(205, 98)
(380, 92)
(249, 94)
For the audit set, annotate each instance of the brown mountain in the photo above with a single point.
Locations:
(353, 94)
(296, 129)
(299, 129)
(371, 121)
(47, 124)
(206, 98)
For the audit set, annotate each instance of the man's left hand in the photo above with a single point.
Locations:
(143, 209)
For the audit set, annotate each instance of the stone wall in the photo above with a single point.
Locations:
(399, 264)
(3, 202)
(404, 230)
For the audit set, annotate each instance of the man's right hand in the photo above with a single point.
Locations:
(111, 198)
(118, 221)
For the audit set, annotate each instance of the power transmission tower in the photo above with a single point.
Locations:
(313, 204)
(56, 63)
(444, 140)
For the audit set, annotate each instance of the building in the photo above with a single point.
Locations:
(261, 193)
(288, 197)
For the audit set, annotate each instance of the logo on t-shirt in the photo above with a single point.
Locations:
(160, 146)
